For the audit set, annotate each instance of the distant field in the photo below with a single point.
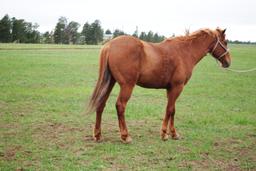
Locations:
(43, 89)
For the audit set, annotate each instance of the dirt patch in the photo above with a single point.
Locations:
(10, 152)
(240, 150)
(194, 165)
(208, 163)
(183, 150)
(52, 129)
(57, 135)
(238, 146)
(226, 154)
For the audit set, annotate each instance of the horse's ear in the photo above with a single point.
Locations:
(223, 31)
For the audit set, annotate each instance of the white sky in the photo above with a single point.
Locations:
(163, 16)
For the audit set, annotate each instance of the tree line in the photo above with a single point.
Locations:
(18, 30)
(21, 31)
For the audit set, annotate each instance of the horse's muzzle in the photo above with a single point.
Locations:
(225, 64)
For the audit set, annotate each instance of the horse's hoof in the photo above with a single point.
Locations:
(97, 139)
(127, 140)
(165, 137)
(176, 137)
(97, 135)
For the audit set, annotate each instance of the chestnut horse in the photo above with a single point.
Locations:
(166, 65)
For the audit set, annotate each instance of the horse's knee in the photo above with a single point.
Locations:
(120, 107)
(171, 111)
(100, 108)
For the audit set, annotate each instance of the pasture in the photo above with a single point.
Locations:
(43, 90)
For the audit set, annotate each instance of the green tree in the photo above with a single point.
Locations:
(5, 29)
(24, 32)
(31, 33)
(18, 30)
(71, 32)
(118, 32)
(155, 38)
(143, 36)
(86, 33)
(158, 38)
(47, 37)
(97, 32)
(59, 31)
(161, 38)
(92, 33)
(108, 31)
(149, 37)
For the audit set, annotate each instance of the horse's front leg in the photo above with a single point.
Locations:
(172, 95)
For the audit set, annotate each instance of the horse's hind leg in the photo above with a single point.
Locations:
(99, 110)
(124, 96)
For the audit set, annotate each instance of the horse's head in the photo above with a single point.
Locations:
(219, 49)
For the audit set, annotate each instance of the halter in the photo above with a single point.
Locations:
(215, 46)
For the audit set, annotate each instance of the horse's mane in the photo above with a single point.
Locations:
(193, 35)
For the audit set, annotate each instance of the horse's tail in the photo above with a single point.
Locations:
(103, 83)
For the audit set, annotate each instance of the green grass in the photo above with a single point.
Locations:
(43, 89)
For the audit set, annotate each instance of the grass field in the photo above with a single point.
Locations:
(43, 89)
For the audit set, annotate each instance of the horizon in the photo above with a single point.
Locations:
(167, 19)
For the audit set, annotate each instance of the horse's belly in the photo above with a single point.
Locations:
(152, 82)
(153, 76)
(153, 86)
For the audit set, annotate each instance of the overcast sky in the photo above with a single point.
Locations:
(163, 16)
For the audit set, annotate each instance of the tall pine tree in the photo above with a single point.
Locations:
(5, 29)
(92, 33)
(18, 30)
(71, 32)
(59, 31)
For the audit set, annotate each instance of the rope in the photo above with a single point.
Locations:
(240, 71)
(236, 70)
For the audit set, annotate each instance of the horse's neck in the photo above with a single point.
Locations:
(199, 47)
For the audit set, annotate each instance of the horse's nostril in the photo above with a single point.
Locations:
(225, 64)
